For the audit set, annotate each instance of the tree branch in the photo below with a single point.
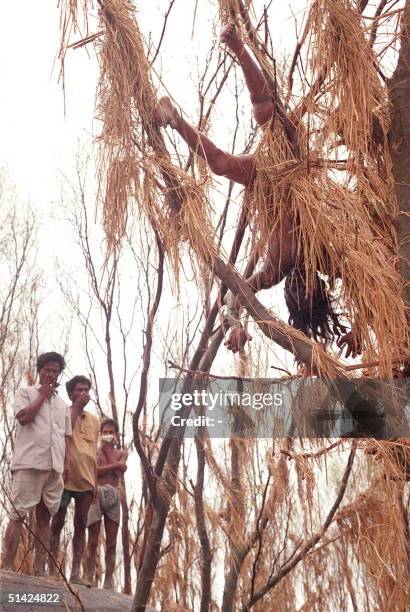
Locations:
(308, 546)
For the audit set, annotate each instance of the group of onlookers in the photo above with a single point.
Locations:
(62, 453)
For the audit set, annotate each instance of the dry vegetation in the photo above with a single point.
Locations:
(296, 524)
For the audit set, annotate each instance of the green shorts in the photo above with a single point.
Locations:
(69, 495)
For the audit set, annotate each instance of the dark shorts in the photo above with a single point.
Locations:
(69, 495)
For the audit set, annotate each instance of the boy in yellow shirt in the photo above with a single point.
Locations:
(79, 474)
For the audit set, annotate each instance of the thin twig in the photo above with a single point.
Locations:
(311, 455)
(374, 364)
(171, 4)
(200, 374)
(375, 25)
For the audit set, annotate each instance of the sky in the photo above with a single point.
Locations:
(36, 137)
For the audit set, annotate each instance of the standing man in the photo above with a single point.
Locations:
(80, 475)
(43, 424)
(111, 464)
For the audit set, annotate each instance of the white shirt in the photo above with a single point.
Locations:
(40, 445)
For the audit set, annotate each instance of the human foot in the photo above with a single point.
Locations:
(39, 568)
(165, 113)
(108, 584)
(230, 37)
(81, 581)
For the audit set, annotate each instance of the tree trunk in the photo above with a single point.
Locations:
(399, 140)
(125, 537)
(206, 552)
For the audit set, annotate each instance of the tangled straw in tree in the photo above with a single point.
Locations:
(135, 172)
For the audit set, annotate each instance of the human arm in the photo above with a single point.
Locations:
(109, 467)
(26, 412)
(95, 489)
(123, 455)
(68, 443)
(66, 473)
(78, 406)
(114, 460)
(238, 335)
(111, 459)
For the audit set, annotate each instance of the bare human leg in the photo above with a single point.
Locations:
(80, 523)
(43, 536)
(261, 97)
(11, 542)
(237, 168)
(264, 106)
(111, 530)
(57, 524)
(93, 535)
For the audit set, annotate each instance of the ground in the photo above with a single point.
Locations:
(95, 600)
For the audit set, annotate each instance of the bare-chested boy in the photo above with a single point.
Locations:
(111, 464)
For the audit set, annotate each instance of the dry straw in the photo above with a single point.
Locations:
(375, 526)
(135, 171)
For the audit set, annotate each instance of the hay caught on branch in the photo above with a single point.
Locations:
(374, 526)
(343, 225)
(135, 170)
(126, 103)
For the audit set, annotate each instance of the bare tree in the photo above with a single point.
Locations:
(19, 321)
(105, 327)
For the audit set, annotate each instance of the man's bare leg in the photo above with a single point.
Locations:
(80, 524)
(43, 535)
(93, 535)
(111, 530)
(238, 168)
(11, 542)
(261, 96)
(57, 524)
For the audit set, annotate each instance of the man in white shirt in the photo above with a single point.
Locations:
(43, 422)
